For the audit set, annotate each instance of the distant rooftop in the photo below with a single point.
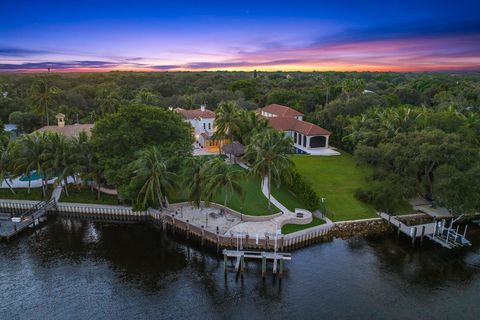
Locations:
(72, 130)
(280, 111)
(196, 113)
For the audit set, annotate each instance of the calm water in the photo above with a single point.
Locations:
(84, 270)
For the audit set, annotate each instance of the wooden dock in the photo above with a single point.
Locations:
(278, 259)
(13, 225)
(435, 231)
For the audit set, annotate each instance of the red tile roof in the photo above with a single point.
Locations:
(196, 113)
(292, 124)
(280, 111)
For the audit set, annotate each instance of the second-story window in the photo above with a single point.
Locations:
(204, 126)
(209, 126)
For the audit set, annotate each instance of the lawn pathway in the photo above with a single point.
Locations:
(260, 228)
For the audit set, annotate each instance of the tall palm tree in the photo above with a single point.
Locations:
(150, 170)
(194, 179)
(41, 95)
(29, 154)
(327, 83)
(269, 152)
(221, 176)
(61, 158)
(226, 120)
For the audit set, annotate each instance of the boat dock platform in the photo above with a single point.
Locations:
(437, 231)
(239, 256)
(12, 225)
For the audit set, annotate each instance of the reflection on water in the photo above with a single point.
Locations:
(80, 269)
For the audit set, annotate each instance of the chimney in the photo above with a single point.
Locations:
(202, 107)
(60, 120)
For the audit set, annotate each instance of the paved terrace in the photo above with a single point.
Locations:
(209, 217)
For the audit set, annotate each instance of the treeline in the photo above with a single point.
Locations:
(418, 130)
(325, 97)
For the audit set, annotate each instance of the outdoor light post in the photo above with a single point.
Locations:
(324, 212)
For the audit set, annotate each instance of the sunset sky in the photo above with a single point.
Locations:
(239, 35)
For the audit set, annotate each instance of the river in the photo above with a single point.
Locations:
(74, 269)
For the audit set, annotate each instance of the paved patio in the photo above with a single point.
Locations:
(210, 218)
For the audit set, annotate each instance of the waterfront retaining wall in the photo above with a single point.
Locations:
(167, 221)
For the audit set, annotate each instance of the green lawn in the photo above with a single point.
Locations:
(289, 228)
(84, 195)
(22, 194)
(287, 198)
(254, 203)
(336, 178)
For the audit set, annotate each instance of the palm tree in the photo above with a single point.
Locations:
(5, 167)
(29, 154)
(327, 83)
(226, 120)
(151, 171)
(194, 179)
(350, 86)
(61, 158)
(41, 96)
(269, 152)
(221, 176)
(107, 97)
(250, 124)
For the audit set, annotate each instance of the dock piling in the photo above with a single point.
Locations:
(225, 259)
(423, 235)
(414, 236)
(264, 265)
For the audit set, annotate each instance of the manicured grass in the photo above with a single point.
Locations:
(84, 195)
(287, 198)
(336, 178)
(254, 202)
(22, 194)
(289, 228)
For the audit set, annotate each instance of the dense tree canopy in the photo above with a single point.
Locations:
(420, 130)
(118, 136)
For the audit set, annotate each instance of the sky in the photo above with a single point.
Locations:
(180, 35)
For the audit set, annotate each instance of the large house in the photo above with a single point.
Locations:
(308, 138)
(68, 130)
(203, 127)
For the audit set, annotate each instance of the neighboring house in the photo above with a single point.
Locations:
(11, 129)
(308, 138)
(203, 126)
(68, 130)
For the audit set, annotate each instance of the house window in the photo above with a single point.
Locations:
(204, 126)
(305, 141)
(209, 126)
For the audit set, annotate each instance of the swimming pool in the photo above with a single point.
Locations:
(32, 176)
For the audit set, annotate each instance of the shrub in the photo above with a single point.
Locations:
(303, 190)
